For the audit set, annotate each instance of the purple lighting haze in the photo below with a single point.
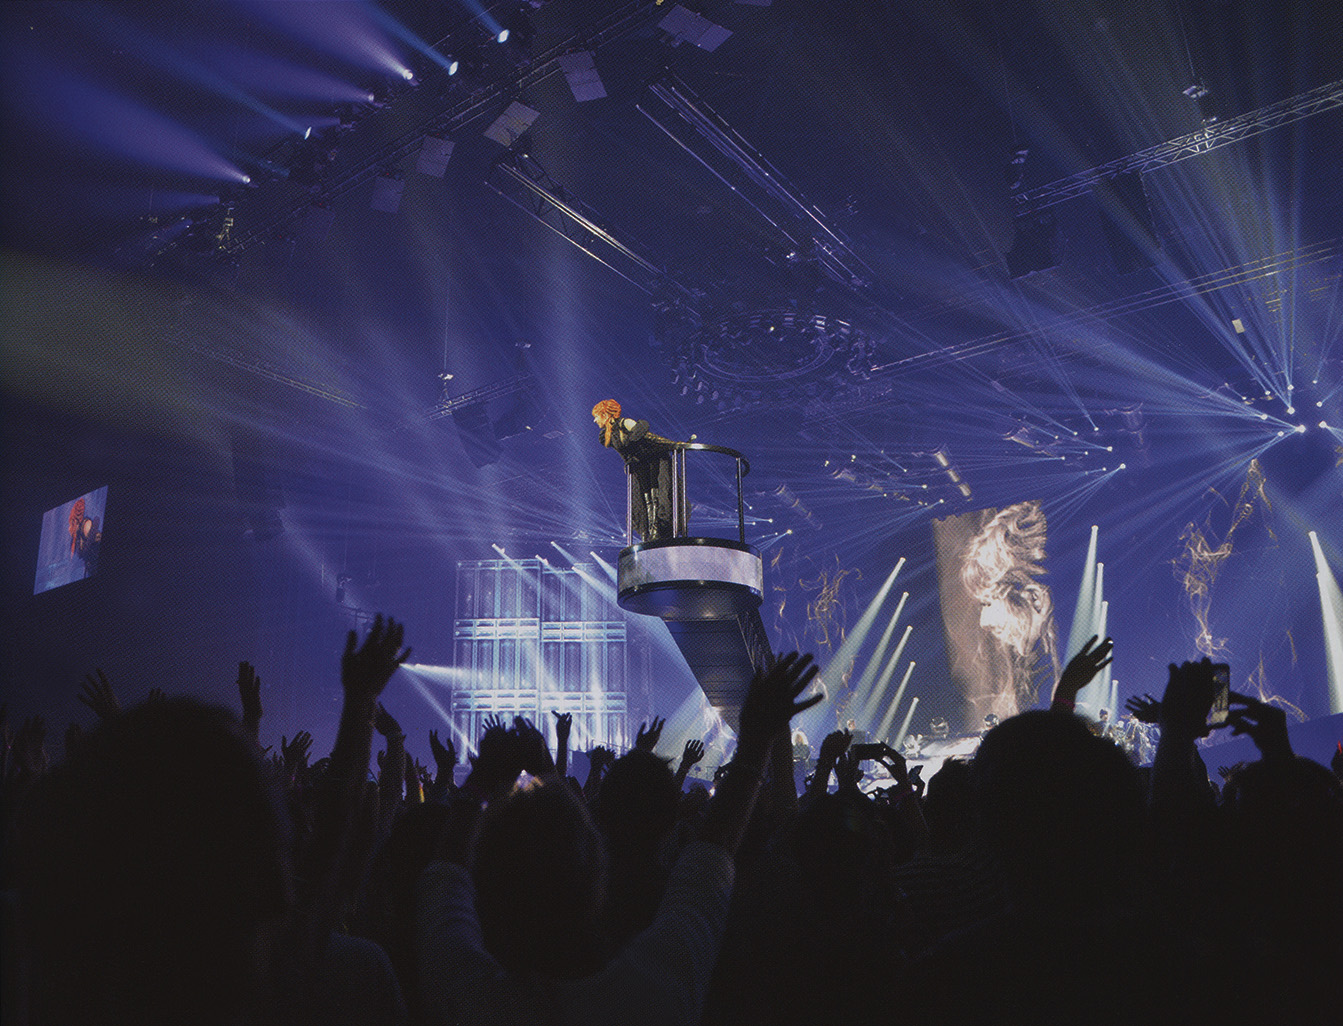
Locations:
(120, 127)
(343, 30)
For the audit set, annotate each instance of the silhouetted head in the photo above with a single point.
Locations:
(151, 859)
(638, 802)
(948, 808)
(1286, 821)
(540, 872)
(844, 851)
(1060, 807)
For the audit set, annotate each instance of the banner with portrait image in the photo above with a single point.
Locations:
(997, 613)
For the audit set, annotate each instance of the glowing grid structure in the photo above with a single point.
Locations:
(531, 638)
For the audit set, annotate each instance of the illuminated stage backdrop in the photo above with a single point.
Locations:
(532, 638)
(1002, 643)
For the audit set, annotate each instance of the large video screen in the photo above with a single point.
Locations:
(71, 541)
(1002, 642)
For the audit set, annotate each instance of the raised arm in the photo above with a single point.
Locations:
(364, 670)
(693, 753)
(1179, 776)
(393, 774)
(249, 694)
(771, 702)
(1081, 671)
(564, 725)
(98, 695)
(836, 743)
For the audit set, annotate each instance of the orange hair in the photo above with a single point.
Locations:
(609, 411)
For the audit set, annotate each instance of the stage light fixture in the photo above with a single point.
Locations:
(685, 26)
(387, 190)
(581, 74)
(510, 126)
(434, 156)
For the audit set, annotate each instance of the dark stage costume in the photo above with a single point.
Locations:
(648, 457)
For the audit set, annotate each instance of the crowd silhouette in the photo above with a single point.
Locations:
(172, 870)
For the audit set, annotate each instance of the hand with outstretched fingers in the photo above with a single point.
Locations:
(294, 754)
(249, 694)
(693, 753)
(365, 669)
(1145, 709)
(772, 699)
(445, 757)
(1266, 724)
(98, 695)
(649, 734)
(1083, 668)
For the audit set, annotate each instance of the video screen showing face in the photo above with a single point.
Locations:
(71, 541)
(1002, 642)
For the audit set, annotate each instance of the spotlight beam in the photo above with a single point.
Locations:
(1331, 612)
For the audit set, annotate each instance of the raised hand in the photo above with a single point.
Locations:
(491, 723)
(156, 695)
(1082, 669)
(564, 723)
(849, 772)
(1145, 709)
(532, 751)
(895, 765)
(649, 735)
(1266, 724)
(600, 758)
(385, 724)
(365, 669)
(249, 693)
(1188, 699)
(836, 743)
(445, 758)
(98, 695)
(693, 753)
(294, 754)
(772, 699)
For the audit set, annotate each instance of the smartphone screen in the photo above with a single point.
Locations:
(1221, 702)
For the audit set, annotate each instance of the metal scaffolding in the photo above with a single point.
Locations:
(1205, 140)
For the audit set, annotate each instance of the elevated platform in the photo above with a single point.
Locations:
(708, 591)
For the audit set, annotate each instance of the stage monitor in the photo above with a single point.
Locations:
(71, 541)
(1002, 643)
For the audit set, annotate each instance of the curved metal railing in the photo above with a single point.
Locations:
(680, 505)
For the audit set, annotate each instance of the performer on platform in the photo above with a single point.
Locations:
(648, 458)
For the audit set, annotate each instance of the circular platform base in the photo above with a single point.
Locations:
(690, 579)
